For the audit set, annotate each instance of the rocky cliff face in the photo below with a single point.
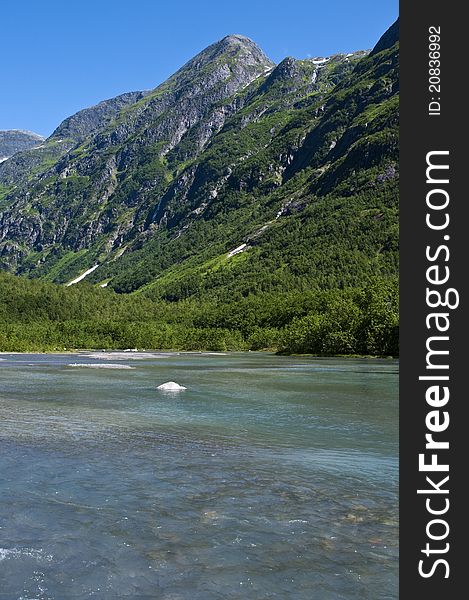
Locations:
(16, 140)
(228, 151)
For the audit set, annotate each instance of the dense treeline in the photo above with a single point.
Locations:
(40, 316)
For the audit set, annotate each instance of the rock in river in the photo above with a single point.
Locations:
(171, 386)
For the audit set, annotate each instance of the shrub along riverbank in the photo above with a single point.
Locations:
(40, 316)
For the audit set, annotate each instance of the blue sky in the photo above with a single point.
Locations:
(61, 56)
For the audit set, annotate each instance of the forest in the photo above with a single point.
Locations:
(42, 316)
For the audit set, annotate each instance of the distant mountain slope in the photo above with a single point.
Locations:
(235, 176)
(31, 161)
(16, 140)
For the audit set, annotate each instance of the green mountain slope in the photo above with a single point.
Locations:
(91, 195)
(234, 182)
(308, 193)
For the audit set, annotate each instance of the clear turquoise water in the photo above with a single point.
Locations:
(269, 477)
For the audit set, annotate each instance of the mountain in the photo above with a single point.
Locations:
(16, 140)
(235, 176)
(34, 160)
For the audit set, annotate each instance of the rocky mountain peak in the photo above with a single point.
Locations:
(241, 42)
(388, 39)
(16, 140)
(237, 38)
(233, 50)
(285, 70)
(88, 120)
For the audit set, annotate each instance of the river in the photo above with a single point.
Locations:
(268, 477)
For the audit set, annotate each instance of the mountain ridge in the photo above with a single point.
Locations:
(228, 131)
(13, 141)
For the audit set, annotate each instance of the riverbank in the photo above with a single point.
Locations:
(160, 353)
